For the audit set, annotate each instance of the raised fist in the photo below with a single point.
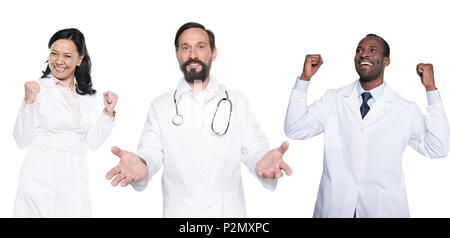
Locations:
(110, 101)
(31, 91)
(425, 71)
(311, 65)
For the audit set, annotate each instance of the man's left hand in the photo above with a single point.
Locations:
(425, 71)
(272, 163)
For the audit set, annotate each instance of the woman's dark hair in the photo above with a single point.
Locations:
(189, 25)
(82, 72)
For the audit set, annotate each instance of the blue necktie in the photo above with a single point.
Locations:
(364, 106)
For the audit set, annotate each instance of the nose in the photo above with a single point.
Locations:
(59, 60)
(193, 53)
(364, 54)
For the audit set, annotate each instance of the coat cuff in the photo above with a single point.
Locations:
(301, 85)
(28, 108)
(433, 97)
(151, 170)
(435, 109)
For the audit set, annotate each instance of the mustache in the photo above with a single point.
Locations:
(194, 61)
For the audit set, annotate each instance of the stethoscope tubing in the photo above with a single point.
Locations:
(177, 120)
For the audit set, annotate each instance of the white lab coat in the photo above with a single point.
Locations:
(202, 173)
(362, 166)
(54, 179)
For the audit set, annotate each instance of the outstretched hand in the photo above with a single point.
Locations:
(130, 168)
(272, 163)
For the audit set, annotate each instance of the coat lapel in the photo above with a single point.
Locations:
(351, 100)
(57, 93)
(379, 109)
(82, 100)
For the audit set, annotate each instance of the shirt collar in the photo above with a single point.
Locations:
(212, 88)
(58, 82)
(375, 92)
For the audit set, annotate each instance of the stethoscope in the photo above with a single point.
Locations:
(177, 120)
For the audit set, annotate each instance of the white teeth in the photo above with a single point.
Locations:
(366, 63)
(194, 65)
(60, 69)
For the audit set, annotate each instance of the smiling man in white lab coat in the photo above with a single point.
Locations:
(200, 133)
(366, 128)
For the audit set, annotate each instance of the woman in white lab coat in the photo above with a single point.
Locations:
(58, 121)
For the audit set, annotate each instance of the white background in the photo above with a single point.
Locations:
(261, 47)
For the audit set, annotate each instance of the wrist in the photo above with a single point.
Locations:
(110, 113)
(28, 102)
(430, 88)
(304, 78)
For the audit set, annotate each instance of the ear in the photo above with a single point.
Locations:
(214, 54)
(80, 59)
(386, 61)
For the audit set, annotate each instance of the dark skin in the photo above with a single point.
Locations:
(370, 63)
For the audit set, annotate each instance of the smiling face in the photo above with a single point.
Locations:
(63, 59)
(370, 60)
(195, 55)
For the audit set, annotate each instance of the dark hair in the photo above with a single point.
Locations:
(387, 50)
(82, 72)
(189, 25)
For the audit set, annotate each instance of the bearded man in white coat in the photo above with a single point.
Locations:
(200, 133)
(366, 127)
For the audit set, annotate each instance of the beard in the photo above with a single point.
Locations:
(193, 75)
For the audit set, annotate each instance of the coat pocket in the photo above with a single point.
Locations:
(234, 204)
(392, 203)
(177, 207)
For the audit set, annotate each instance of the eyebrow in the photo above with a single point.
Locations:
(198, 42)
(369, 46)
(373, 46)
(66, 53)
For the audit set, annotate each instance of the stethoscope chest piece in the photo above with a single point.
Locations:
(177, 120)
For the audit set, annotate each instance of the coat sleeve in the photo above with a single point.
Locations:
(25, 126)
(254, 143)
(303, 122)
(429, 134)
(150, 147)
(100, 129)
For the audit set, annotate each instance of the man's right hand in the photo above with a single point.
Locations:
(31, 91)
(311, 65)
(130, 168)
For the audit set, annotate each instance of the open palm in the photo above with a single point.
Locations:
(130, 168)
(272, 163)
